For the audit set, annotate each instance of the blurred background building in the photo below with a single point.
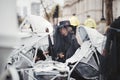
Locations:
(92, 7)
(97, 9)
(43, 8)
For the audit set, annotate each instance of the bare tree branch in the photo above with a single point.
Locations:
(45, 10)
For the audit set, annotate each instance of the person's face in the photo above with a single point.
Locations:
(64, 31)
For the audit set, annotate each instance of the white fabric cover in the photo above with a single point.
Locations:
(84, 51)
(40, 24)
(96, 38)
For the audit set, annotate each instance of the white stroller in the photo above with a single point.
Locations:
(23, 58)
(86, 58)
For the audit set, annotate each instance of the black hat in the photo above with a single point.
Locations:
(64, 24)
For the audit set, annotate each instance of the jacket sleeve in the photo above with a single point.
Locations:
(73, 47)
(109, 40)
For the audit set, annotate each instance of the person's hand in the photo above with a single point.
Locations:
(61, 55)
(104, 52)
(46, 53)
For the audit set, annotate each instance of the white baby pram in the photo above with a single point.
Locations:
(86, 58)
(23, 60)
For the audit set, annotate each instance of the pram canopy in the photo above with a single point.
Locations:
(96, 38)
